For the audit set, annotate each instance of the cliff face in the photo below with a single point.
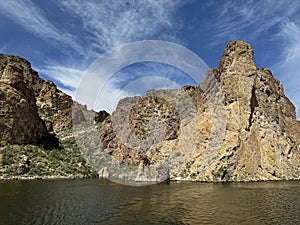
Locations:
(34, 111)
(237, 125)
(31, 107)
(261, 140)
(20, 122)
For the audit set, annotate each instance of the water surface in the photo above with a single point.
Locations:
(96, 201)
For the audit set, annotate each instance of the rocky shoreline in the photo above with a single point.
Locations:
(52, 177)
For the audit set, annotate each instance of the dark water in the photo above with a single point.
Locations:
(84, 202)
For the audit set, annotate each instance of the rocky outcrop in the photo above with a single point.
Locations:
(34, 111)
(20, 122)
(54, 106)
(237, 125)
(261, 140)
(101, 116)
(148, 108)
(32, 104)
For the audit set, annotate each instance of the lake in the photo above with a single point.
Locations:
(95, 201)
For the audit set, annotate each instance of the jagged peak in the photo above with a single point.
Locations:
(238, 56)
(13, 59)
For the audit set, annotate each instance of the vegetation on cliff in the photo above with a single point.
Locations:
(237, 125)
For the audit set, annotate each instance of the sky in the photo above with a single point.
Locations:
(64, 38)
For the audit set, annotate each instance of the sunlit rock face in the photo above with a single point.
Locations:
(31, 107)
(20, 122)
(54, 106)
(261, 139)
(36, 121)
(237, 125)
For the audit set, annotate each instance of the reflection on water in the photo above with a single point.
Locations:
(103, 202)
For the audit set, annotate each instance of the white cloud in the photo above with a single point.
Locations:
(68, 76)
(109, 24)
(71, 77)
(32, 18)
(249, 19)
(108, 94)
(289, 67)
(112, 23)
(137, 87)
(105, 75)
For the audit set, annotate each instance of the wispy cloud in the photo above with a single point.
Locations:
(111, 23)
(249, 19)
(32, 18)
(120, 70)
(110, 95)
(108, 92)
(68, 76)
(106, 24)
(288, 67)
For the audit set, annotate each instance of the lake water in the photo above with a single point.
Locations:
(70, 202)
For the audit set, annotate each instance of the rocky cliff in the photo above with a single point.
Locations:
(20, 122)
(47, 106)
(34, 111)
(237, 125)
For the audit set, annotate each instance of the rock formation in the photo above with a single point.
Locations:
(34, 111)
(261, 140)
(54, 106)
(20, 122)
(239, 126)
(30, 104)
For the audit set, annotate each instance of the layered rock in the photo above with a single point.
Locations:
(54, 106)
(35, 126)
(239, 126)
(262, 135)
(20, 122)
(30, 104)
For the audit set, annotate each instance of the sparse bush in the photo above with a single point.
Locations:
(41, 162)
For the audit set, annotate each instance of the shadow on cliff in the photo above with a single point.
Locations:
(49, 142)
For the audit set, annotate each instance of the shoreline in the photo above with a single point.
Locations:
(52, 177)
(74, 177)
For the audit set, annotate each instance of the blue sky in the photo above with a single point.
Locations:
(61, 38)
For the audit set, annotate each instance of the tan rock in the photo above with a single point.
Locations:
(54, 107)
(103, 172)
(237, 125)
(20, 122)
(245, 128)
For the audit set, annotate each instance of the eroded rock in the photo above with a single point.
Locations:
(243, 128)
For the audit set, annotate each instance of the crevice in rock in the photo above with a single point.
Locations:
(224, 174)
(289, 152)
(253, 105)
(272, 173)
